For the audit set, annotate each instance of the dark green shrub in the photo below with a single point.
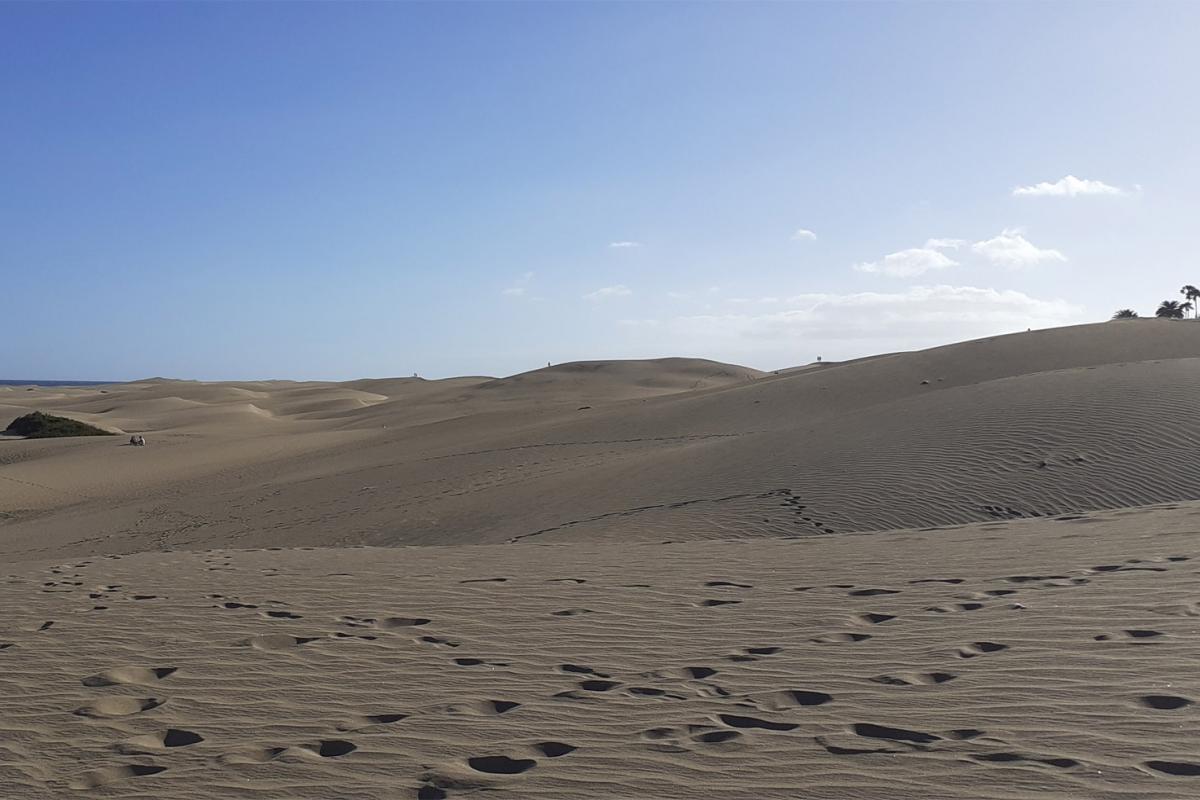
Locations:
(45, 426)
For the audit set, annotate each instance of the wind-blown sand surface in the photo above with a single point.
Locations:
(969, 572)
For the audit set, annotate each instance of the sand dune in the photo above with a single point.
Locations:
(1037, 423)
(1025, 659)
(958, 573)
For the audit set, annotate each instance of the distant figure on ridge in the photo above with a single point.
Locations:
(137, 440)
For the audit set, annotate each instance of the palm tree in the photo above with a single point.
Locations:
(1192, 294)
(1125, 313)
(1171, 309)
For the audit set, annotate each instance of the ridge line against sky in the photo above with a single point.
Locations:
(332, 191)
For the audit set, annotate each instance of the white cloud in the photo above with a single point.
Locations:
(624, 245)
(804, 234)
(910, 262)
(839, 326)
(1011, 249)
(944, 244)
(620, 290)
(916, 317)
(1070, 186)
(520, 285)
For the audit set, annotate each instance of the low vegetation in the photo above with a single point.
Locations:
(47, 426)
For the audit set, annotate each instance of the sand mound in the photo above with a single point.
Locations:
(618, 380)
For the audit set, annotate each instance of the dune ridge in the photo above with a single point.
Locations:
(1036, 423)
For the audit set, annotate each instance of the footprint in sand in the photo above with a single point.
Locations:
(1164, 702)
(579, 669)
(954, 608)
(389, 623)
(873, 618)
(790, 698)
(841, 638)
(672, 739)
(118, 706)
(110, 775)
(437, 641)
(479, 662)
(915, 678)
(151, 742)
(501, 765)
(1136, 635)
(1183, 769)
(371, 720)
(737, 721)
(274, 642)
(650, 691)
(129, 675)
(1009, 758)
(872, 731)
(980, 648)
(330, 748)
(475, 708)
(555, 749)
(753, 653)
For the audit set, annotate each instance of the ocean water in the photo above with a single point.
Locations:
(55, 383)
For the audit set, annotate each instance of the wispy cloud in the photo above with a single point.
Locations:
(609, 292)
(520, 286)
(908, 263)
(1069, 186)
(918, 315)
(1011, 249)
(624, 245)
(804, 234)
(944, 244)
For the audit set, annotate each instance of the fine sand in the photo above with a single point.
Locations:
(967, 572)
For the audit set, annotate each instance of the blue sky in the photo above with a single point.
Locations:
(236, 191)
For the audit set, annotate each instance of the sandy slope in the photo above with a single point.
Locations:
(1046, 422)
(1016, 659)
(920, 575)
